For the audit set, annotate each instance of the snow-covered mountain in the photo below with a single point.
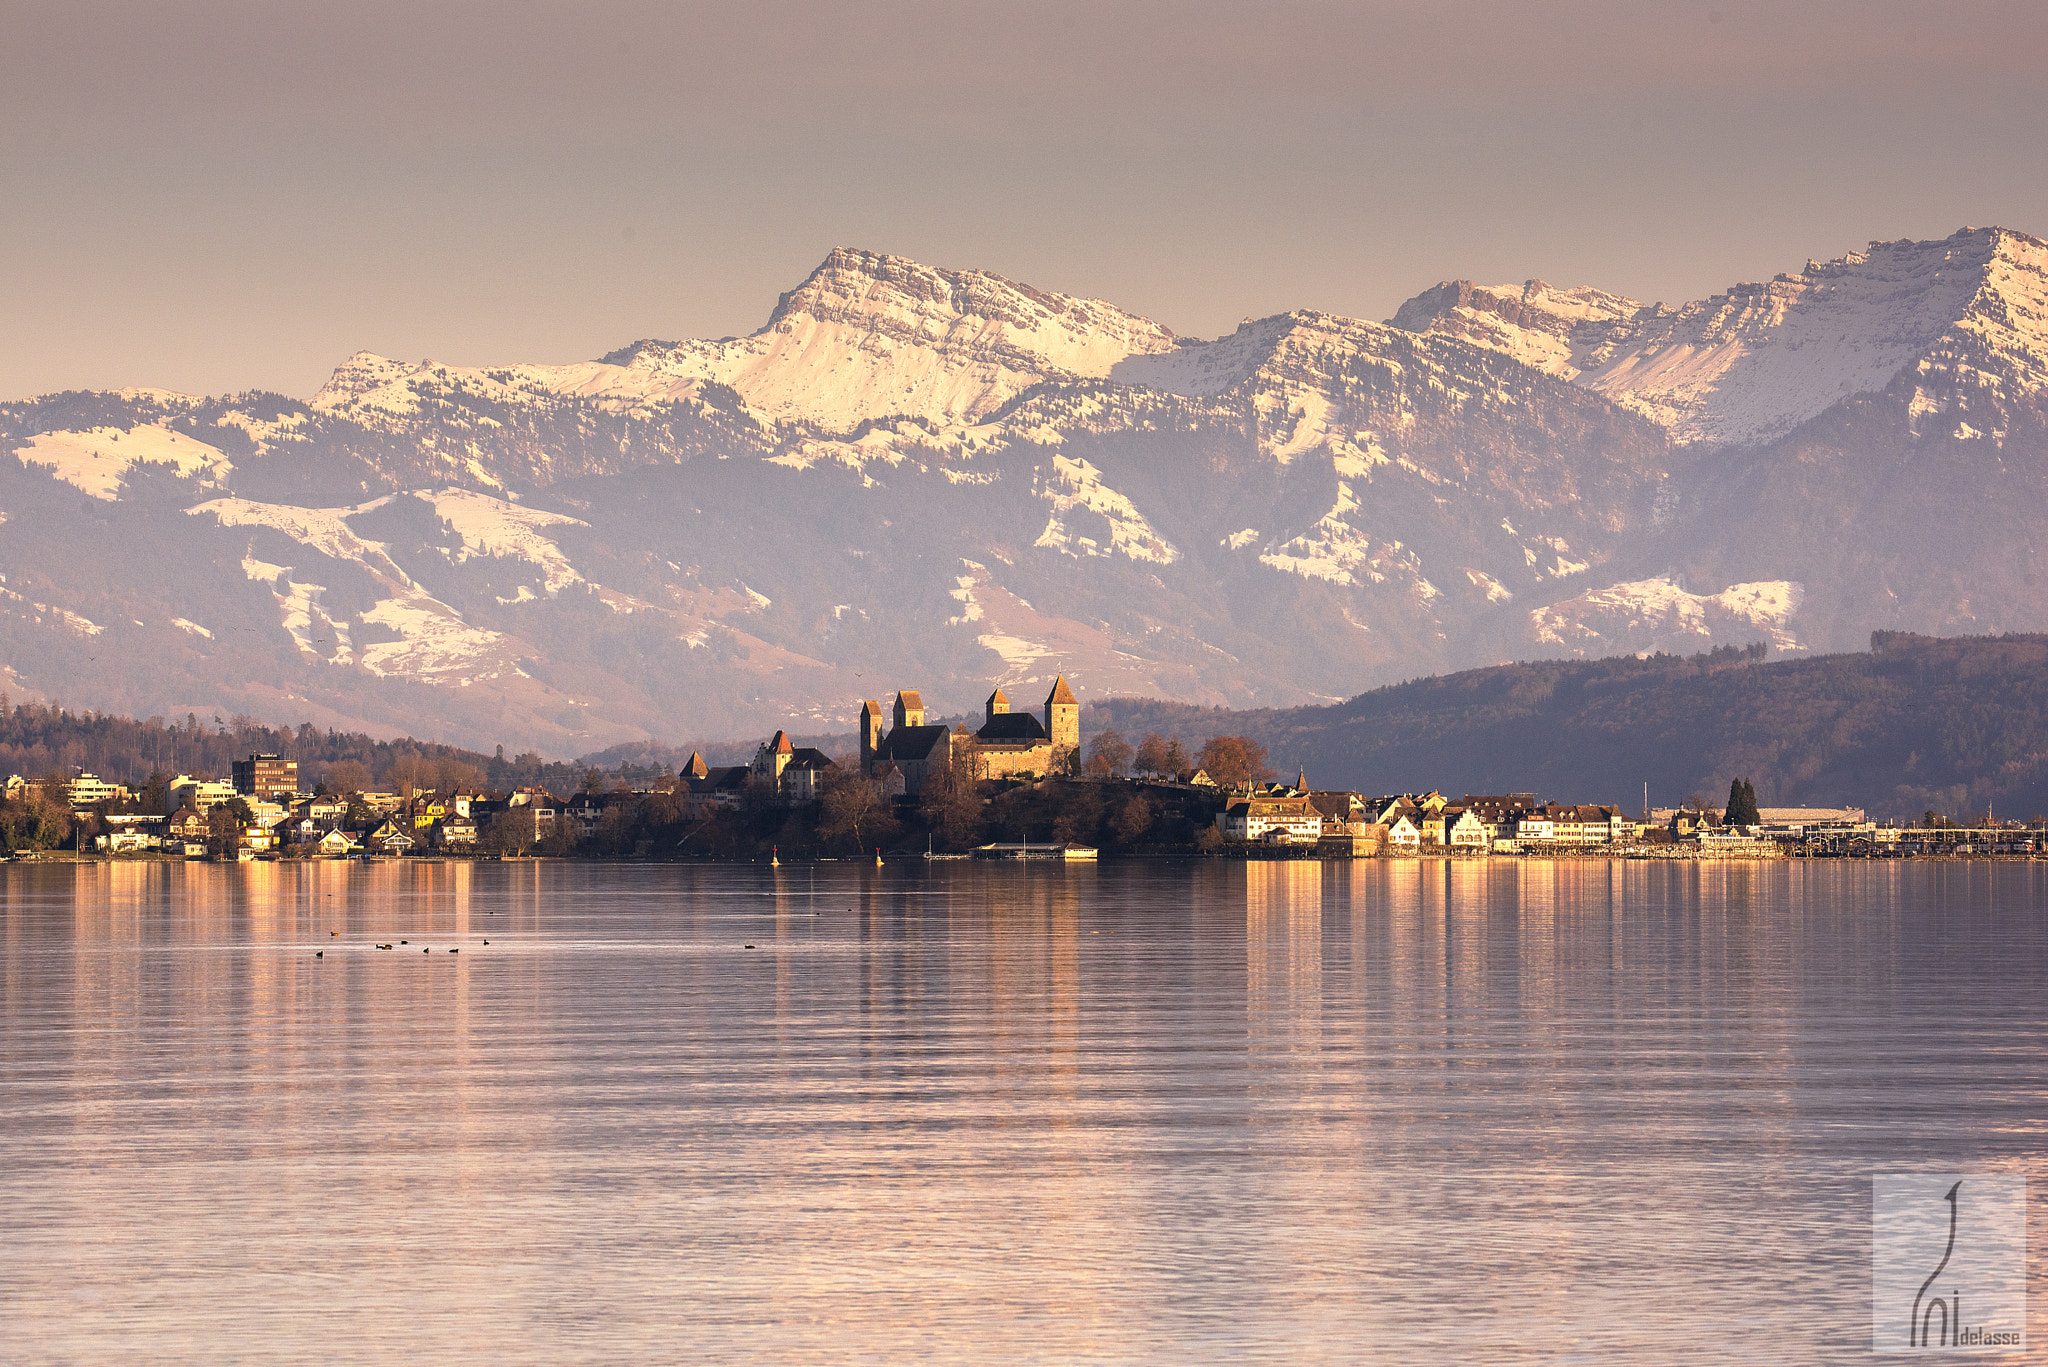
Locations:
(942, 479)
(1752, 364)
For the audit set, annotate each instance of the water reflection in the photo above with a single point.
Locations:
(1454, 1110)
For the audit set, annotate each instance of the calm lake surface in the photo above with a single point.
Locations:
(1286, 1112)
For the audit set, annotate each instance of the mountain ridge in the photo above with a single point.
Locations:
(948, 479)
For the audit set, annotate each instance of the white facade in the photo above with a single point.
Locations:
(1289, 820)
(87, 789)
(1467, 832)
(200, 794)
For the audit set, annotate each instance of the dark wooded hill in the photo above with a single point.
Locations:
(1948, 724)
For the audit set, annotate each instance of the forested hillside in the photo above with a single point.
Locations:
(1954, 725)
(37, 741)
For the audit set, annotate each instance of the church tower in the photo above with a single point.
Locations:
(1063, 716)
(870, 733)
(909, 708)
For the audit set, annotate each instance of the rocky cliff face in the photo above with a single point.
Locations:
(946, 480)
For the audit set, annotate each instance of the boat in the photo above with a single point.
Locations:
(1069, 852)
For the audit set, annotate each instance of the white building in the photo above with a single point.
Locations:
(200, 794)
(1288, 820)
(1468, 832)
(87, 789)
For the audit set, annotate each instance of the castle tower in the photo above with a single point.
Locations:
(997, 704)
(870, 733)
(909, 708)
(772, 758)
(696, 768)
(1063, 716)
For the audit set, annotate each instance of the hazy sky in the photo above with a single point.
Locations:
(221, 196)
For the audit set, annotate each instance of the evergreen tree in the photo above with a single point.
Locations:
(1742, 804)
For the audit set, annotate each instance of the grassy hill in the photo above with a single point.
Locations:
(1951, 724)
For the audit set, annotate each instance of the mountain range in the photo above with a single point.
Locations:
(915, 477)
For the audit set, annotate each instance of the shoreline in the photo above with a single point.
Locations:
(1276, 855)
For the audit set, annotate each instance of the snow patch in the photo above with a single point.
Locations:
(323, 529)
(96, 460)
(492, 526)
(1075, 485)
(1199, 369)
(1332, 550)
(1495, 591)
(1657, 614)
(437, 643)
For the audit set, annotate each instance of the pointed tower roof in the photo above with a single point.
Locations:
(870, 705)
(1060, 693)
(998, 697)
(780, 745)
(697, 768)
(1301, 780)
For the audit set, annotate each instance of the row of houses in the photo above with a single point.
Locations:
(367, 822)
(1341, 824)
(1348, 823)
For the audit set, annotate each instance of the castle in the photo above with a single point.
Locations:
(1008, 743)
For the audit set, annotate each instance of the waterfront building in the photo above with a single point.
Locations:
(266, 776)
(201, 794)
(89, 789)
(793, 772)
(1498, 812)
(1278, 819)
(708, 786)
(1463, 830)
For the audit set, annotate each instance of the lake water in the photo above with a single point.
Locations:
(1284, 1112)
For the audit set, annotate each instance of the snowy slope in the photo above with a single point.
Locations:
(97, 460)
(866, 336)
(434, 645)
(1751, 364)
(1658, 615)
(492, 526)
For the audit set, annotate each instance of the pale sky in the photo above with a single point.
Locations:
(218, 196)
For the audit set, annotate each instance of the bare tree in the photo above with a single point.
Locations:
(851, 801)
(451, 775)
(347, 776)
(1232, 760)
(509, 832)
(1113, 752)
(409, 769)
